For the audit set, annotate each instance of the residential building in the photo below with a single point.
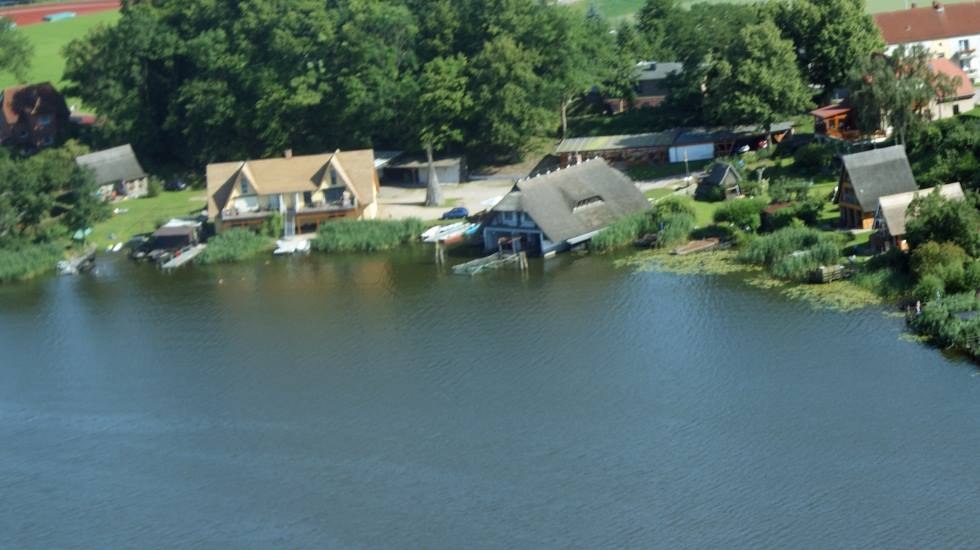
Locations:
(306, 191)
(963, 98)
(892, 214)
(651, 86)
(117, 172)
(554, 211)
(34, 116)
(399, 168)
(722, 176)
(868, 176)
(837, 119)
(949, 31)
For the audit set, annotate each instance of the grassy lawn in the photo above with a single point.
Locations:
(704, 212)
(49, 39)
(144, 215)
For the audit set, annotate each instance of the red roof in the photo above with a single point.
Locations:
(828, 111)
(948, 68)
(929, 23)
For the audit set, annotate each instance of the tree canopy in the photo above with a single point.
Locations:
(16, 51)
(200, 82)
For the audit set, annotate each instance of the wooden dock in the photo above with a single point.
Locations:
(489, 263)
(183, 257)
(697, 246)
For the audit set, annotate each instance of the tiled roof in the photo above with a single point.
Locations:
(929, 23)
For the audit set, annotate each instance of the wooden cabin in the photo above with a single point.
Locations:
(835, 121)
(892, 215)
(868, 176)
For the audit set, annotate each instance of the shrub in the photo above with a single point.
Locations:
(233, 246)
(675, 205)
(25, 261)
(272, 227)
(154, 187)
(366, 235)
(945, 261)
(789, 190)
(745, 214)
(706, 192)
(815, 157)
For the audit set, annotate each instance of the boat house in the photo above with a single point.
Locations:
(868, 176)
(554, 211)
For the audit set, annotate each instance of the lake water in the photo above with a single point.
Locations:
(370, 402)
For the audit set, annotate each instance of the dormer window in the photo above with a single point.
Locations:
(244, 185)
(594, 200)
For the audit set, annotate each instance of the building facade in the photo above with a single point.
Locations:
(304, 191)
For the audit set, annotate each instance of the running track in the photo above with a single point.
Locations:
(31, 15)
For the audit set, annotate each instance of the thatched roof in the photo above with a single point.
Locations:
(575, 201)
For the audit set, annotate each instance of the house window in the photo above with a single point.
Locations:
(44, 120)
(964, 45)
(333, 177)
(244, 185)
(48, 140)
(274, 202)
(308, 198)
(956, 109)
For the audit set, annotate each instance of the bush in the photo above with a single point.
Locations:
(233, 246)
(366, 235)
(272, 227)
(744, 214)
(946, 262)
(154, 187)
(675, 205)
(706, 192)
(815, 157)
(789, 190)
(25, 261)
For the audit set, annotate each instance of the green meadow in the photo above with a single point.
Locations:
(49, 40)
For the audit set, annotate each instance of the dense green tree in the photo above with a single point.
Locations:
(830, 37)
(509, 95)
(16, 51)
(443, 103)
(896, 90)
(655, 21)
(757, 79)
(934, 218)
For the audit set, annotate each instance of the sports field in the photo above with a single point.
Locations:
(49, 39)
(622, 8)
(33, 14)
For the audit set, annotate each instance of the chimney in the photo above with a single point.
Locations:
(288, 154)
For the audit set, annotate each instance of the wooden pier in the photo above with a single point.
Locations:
(696, 246)
(183, 257)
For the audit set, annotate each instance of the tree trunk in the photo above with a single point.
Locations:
(433, 193)
(564, 118)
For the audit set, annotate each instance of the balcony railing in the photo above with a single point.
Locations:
(306, 208)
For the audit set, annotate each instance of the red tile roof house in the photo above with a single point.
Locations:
(34, 116)
(836, 120)
(950, 31)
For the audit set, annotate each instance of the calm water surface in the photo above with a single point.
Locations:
(368, 402)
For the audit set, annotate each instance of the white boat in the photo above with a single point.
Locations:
(292, 246)
(448, 234)
(117, 247)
